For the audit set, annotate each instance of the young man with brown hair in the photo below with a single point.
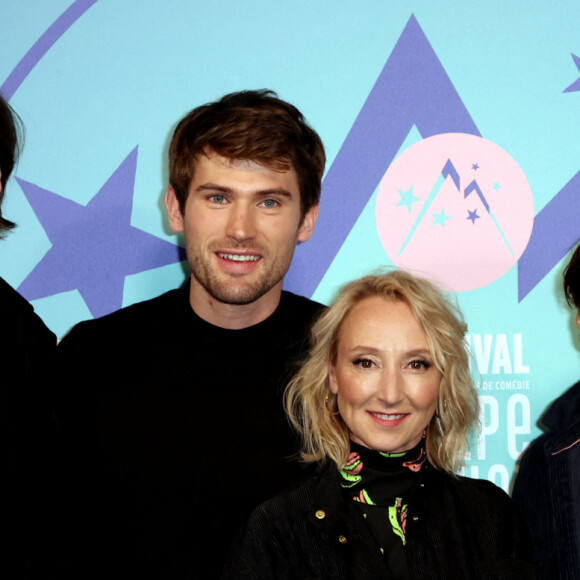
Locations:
(173, 407)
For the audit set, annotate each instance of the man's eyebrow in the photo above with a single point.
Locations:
(260, 192)
(213, 187)
(274, 191)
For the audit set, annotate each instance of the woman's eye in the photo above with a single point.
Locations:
(419, 365)
(363, 363)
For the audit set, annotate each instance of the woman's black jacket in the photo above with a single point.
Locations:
(457, 528)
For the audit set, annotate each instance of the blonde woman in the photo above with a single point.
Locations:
(384, 404)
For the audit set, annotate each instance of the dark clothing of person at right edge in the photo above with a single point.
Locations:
(459, 528)
(171, 452)
(547, 489)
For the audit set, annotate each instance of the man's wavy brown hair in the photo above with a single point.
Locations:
(250, 126)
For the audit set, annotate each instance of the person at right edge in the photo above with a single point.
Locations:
(384, 403)
(547, 485)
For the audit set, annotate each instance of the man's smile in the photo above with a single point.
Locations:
(239, 257)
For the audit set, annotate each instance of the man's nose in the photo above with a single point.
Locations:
(241, 223)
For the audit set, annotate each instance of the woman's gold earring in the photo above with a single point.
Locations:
(327, 400)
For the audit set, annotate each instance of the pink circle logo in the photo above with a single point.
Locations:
(457, 209)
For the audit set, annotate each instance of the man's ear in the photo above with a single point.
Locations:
(173, 210)
(578, 319)
(308, 222)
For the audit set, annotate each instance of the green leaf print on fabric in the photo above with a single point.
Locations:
(398, 519)
(350, 471)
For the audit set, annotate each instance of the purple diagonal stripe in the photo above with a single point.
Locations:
(555, 231)
(43, 45)
(449, 170)
(474, 186)
(412, 89)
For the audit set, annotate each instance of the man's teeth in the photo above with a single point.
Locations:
(239, 257)
(386, 417)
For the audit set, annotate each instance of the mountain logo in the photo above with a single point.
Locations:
(456, 208)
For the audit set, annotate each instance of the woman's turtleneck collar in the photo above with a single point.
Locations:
(414, 459)
(383, 485)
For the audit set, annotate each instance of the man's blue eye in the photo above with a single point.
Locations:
(217, 198)
(270, 203)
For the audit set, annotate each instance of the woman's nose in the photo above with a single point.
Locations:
(391, 387)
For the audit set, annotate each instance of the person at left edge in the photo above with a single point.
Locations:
(27, 429)
(172, 408)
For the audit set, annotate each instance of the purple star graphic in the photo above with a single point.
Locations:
(475, 166)
(575, 86)
(472, 216)
(94, 246)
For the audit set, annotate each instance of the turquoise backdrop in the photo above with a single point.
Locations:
(100, 85)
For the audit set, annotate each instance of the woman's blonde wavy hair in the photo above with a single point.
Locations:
(312, 408)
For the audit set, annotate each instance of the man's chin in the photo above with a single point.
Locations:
(237, 291)
(240, 296)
